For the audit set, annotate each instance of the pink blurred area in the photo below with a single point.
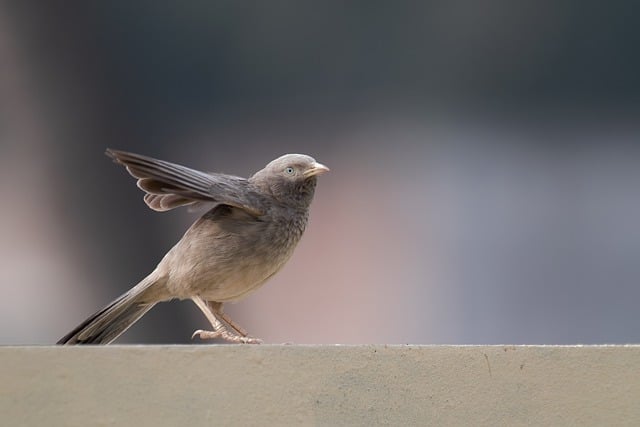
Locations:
(483, 184)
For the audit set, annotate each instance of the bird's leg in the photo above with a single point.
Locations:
(219, 330)
(216, 307)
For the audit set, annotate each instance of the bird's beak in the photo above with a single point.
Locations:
(316, 169)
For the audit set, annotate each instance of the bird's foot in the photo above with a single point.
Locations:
(225, 335)
(206, 335)
(249, 340)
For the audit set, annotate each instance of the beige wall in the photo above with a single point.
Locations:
(327, 385)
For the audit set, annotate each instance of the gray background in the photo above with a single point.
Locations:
(485, 163)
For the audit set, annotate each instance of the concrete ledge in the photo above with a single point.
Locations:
(320, 385)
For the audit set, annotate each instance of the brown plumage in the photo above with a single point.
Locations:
(248, 234)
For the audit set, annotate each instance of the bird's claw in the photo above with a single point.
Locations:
(250, 340)
(224, 334)
(206, 335)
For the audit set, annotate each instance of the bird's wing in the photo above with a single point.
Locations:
(169, 185)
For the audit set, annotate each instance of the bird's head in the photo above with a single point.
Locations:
(291, 178)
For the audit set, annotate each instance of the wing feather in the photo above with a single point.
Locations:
(169, 185)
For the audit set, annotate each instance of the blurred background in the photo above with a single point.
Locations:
(485, 163)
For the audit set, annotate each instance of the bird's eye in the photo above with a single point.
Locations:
(289, 170)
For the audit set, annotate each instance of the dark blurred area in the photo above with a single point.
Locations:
(485, 163)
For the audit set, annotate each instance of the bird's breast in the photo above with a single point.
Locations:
(225, 259)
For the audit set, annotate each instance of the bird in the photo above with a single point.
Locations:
(248, 233)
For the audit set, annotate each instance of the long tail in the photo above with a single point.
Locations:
(109, 323)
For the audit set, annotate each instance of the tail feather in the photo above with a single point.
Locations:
(113, 320)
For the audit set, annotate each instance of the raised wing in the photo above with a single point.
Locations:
(169, 185)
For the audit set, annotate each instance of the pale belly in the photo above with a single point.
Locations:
(221, 266)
